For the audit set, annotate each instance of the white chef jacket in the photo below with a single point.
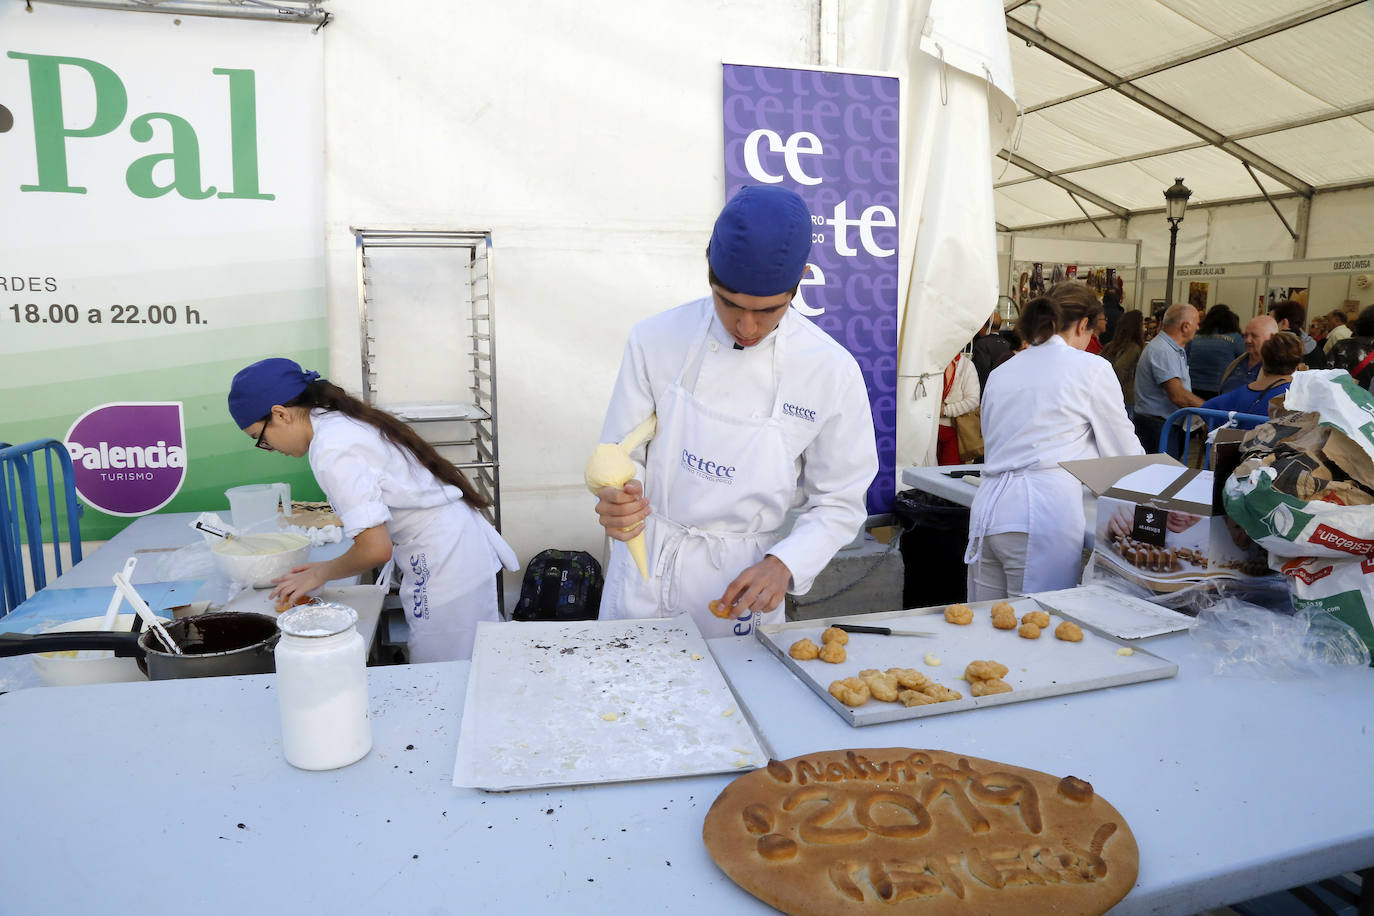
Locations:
(824, 398)
(446, 550)
(1047, 404)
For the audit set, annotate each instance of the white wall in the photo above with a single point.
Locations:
(587, 139)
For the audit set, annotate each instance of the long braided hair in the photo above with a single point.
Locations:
(325, 395)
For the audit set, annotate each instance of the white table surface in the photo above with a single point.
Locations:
(1233, 787)
(936, 480)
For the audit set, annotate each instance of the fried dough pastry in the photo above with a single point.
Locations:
(915, 698)
(989, 687)
(1003, 617)
(1003, 607)
(940, 693)
(959, 614)
(803, 650)
(909, 678)
(832, 652)
(1069, 632)
(851, 691)
(1039, 618)
(984, 670)
(722, 611)
(835, 634)
(882, 686)
(1028, 630)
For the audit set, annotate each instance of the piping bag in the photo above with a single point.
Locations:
(610, 466)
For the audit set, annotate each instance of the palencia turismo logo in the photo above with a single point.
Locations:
(129, 458)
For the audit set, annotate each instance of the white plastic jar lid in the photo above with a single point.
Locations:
(319, 618)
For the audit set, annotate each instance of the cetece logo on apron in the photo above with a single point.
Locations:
(706, 469)
(802, 413)
(129, 458)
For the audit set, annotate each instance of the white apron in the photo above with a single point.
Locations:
(1054, 528)
(443, 600)
(710, 477)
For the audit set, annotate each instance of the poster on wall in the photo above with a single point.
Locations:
(834, 138)
(162, 192)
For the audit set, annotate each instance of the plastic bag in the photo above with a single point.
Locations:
(1247, 640)
(1304, 486)
(1192, 595)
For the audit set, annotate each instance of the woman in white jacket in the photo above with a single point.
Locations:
(396, 496)
(1052, 402)
(961, 394)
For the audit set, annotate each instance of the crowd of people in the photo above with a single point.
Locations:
(1175, 358)
(1082, 378)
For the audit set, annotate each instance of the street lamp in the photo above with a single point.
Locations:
(1175, 202)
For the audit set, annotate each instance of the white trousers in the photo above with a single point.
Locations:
(1000, 572)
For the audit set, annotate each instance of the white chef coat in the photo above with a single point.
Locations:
(799, 388)
(1047, 404)
(447, 551)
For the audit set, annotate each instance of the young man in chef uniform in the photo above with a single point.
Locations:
(759, 411)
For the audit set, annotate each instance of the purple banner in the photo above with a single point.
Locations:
(834, 139)
(129, 459)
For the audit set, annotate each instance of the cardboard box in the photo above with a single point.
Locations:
(1161, 525)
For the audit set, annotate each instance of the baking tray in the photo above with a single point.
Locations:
(1043, 667)
(573, 703)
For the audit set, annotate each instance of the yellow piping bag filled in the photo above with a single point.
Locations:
(610, 466)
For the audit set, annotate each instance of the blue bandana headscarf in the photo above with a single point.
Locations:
(266, 383)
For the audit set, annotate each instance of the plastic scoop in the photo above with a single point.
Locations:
(610, 466)
(149, 618)
(111, 612)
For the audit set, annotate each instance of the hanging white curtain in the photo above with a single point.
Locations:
(959, 110)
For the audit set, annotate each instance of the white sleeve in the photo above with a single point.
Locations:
(1113, 430)
(632, 400)
(350, 475)
(837, 469)
(964, 393)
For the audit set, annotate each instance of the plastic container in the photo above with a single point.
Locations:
(256, 503)
(322, 687)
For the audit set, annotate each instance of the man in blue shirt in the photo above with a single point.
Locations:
(1162, 383)
(1246, 367)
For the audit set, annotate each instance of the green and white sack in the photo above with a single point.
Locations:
(1311, 514)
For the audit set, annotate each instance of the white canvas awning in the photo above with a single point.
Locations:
(1120, 97)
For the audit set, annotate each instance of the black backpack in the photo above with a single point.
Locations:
(560, 585)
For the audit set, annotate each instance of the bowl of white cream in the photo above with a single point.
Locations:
(257, 559)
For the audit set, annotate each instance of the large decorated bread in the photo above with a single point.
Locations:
(897, 830)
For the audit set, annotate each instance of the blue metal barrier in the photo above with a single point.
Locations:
(1214, 419)
(22, 515)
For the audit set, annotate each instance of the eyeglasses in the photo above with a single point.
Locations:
(261, 443)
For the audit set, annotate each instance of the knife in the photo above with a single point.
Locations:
(880, 631)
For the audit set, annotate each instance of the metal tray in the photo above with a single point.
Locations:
(1043, 667)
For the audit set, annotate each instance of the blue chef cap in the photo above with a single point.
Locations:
(257, 388)
(761, 241)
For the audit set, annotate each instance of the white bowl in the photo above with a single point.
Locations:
(58, 669)
(257, 559)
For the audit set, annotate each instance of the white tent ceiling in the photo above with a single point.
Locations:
(1120, 97)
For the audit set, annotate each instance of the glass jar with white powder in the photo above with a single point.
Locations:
(322, 687)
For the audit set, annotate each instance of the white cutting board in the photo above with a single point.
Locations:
(557, 704)
(1041, 667)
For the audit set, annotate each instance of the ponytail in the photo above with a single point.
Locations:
(1062, 308)
(1039, 321)
(325, 395)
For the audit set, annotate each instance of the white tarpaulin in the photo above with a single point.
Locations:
(955, 62)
